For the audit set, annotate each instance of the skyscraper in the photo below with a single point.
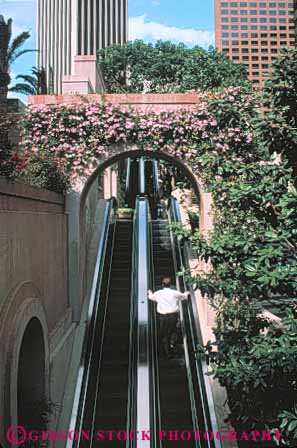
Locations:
(67, 28)
(254, 32)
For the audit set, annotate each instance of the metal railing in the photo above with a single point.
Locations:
(142, 408)
(82, 415)
(128, 180)
(202, 403)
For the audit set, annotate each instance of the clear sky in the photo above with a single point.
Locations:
(189, 21)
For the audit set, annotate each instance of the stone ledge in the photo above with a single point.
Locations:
(21, 190)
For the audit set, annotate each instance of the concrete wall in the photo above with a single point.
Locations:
(33, 283)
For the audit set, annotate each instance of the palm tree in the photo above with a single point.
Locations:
(34, 84)
(10, 50)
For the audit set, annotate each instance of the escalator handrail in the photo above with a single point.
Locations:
(154, 365)
(140, 402)
(142, 176)
(156, 179)
(79, 402)
(194, 336)
(132, 384)
(128, 181)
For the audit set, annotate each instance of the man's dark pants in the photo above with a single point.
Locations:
(166, 329)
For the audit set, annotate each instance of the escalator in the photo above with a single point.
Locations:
(111, 409)
(173, 383)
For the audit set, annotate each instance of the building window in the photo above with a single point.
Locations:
(245, 58)
(254, 20)
(263, 34)
(224, 5)
(264, 43)
(224, 19)
(234, 27)
(244, 42)
(265, 66)
(244, 35)
(255, 65)
(224, 12)
(244, 27)
(254, 27)
(234, 34)
(235, 58)
(263, 27)
(243, 19)
(255, 50)
(263, 20)
(234, 4)
(253, 12)
(262, 12)
(225, 27)
(225, 34)
(255, 58)
(243, 12)
(234, 12)
(234, 19)
(254, 35)
(235, 50)
(225, 42)
(243, 4)
(262, 5)
(272, 12)
(235, 42)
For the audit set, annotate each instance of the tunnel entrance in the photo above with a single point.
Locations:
(31, 377)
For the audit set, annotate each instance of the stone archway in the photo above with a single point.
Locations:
(25, 316)
(76, 201)
(31, 377)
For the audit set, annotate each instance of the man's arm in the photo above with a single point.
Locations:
(150, 295)
(183, 295)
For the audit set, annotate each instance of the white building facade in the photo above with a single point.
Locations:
(70, 28)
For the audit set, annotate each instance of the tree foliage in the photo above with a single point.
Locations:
(279, 128)
(34, 84)
(166, 67)
(10, 50)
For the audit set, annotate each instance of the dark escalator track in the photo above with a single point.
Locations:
(111, 409)
(175, 406)
(132, 183)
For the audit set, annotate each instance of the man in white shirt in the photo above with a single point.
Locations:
(167, 308)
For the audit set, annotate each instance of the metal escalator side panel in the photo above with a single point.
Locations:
(128, 181)
(142, 176)
(140, 401)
